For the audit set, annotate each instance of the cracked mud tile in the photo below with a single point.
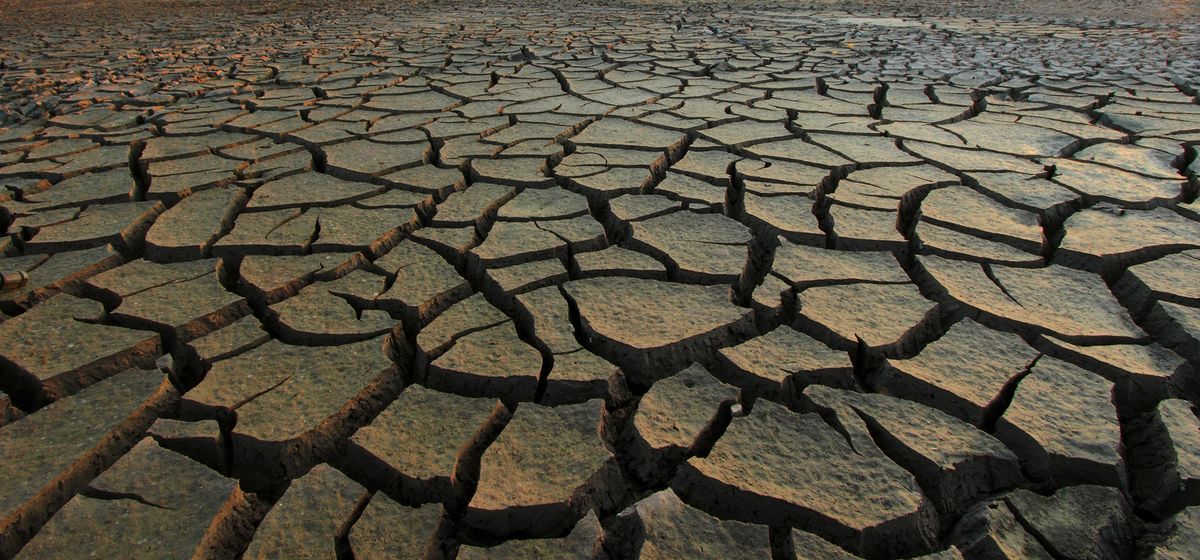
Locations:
(1182, 537)
(1104, 184)
(81, 190)
(172, 180)
(951, 243)
(472, 206)
(466, 316)
(429, 179)
(698, 248)
(397, 198)
(678, 418)
(1164, 279)
(578, 375)
(967, 212)
(616, 261)
(963, 373)
(1076, 522)
(450, 242)
(1072, 305)
(579, 544)
(1063, 425)
(517, 279)
(1164, 464)
(888, 318)
(139, 507)
(241, 335)
(990, 530)
(304, 523)
(779, 364)
(199, 441)
(745, 133)
(804, 266)
(1011, 137)
(293, 402)
(857, 229)
(148, 297)
(387, 530)
(54, 452)
(1177, 327)
(648, 327)
(510, 243)
(491, 362)
(610, 182)
(52, 274)
(360, 160)
(123, 225)
(673, 529)
(709, 165)
(333, 312)
(789, 216)
(807, 546)
(1143, 375)
(421, 282)
(777, 467)
(308, 190)
(350, 228)
(955, 463)
(1106, 240)
(630, 208)
(415, 447)
(797, 150)
(695, 193)
(163, 148)
(776, 176)
(268, 279)
(1052, 202)
(188, 229)
(59, 346)
(864, 150)
(551, 203)
(544, 471)
(622, 133)
(287, 231)
(513, 243)
(517, 171)
(415, 102)
(459, 151)
(884, 188)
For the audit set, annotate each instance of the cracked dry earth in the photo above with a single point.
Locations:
(597, 281)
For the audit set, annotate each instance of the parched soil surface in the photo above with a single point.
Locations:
(600, 280)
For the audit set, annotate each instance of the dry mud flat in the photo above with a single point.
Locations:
(598, 282)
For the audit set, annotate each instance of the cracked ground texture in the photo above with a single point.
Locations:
(599, 280)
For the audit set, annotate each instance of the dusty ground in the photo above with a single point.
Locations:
(602, 280)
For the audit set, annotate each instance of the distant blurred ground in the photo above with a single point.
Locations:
(24, 12)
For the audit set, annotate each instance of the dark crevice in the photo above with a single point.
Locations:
(995, 409)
